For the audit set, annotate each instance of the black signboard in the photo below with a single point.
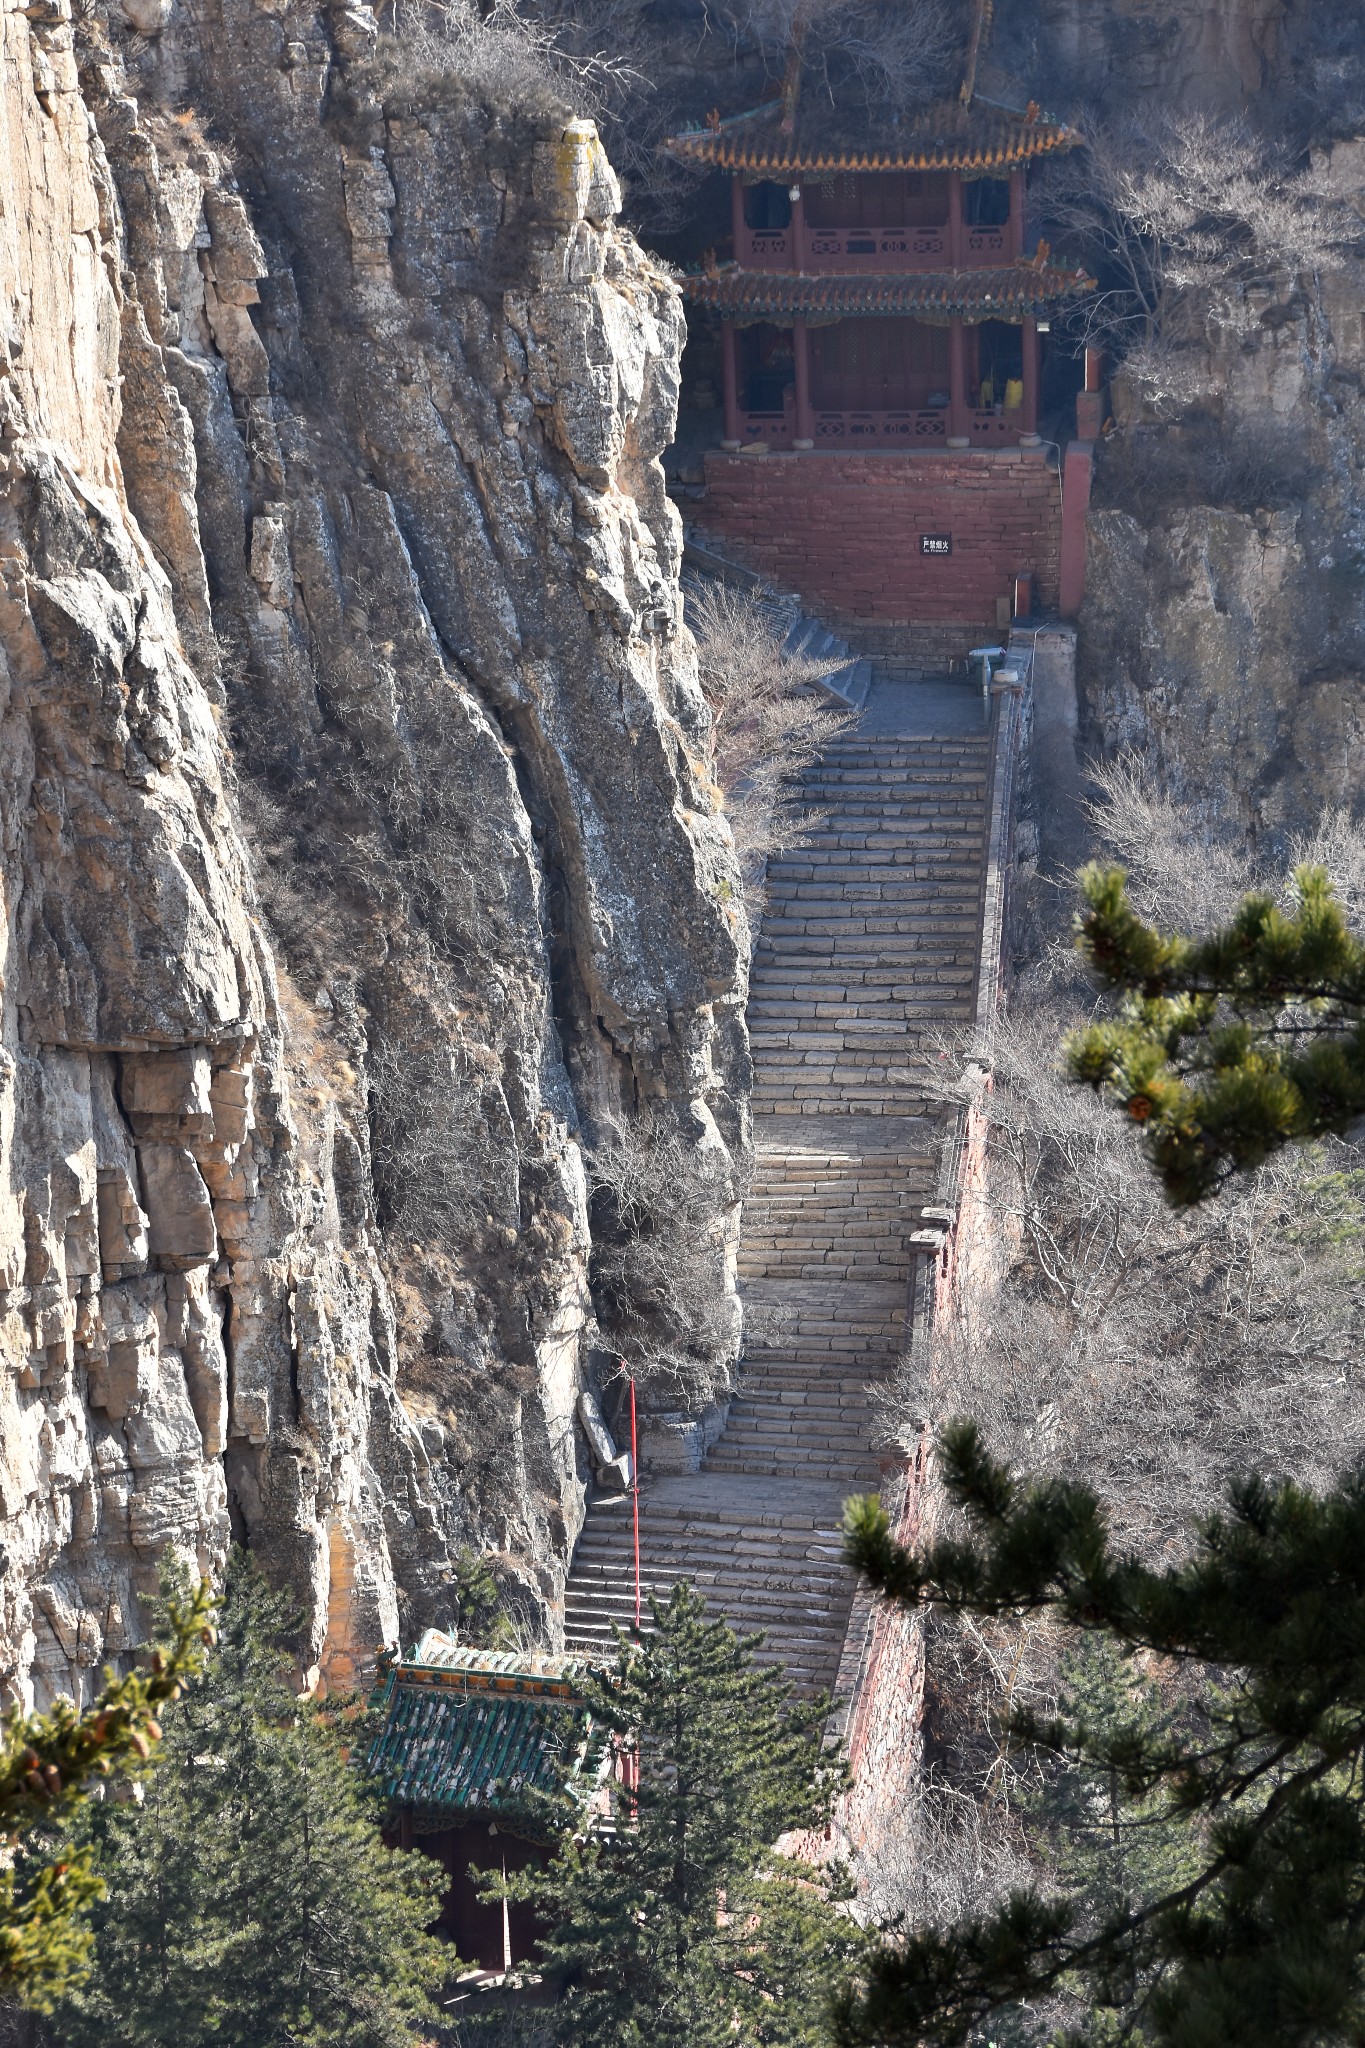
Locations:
(936, 543)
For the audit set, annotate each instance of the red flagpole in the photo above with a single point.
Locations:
(635, 1499)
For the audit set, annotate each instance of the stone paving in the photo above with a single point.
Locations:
(868, 950)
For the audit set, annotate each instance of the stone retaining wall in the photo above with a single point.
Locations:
(846, 530)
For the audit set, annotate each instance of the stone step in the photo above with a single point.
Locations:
(832, 1202)
(928, 788)
(893, 1255)
(849, 1033)
(793, 946)
(816, 1442)
(852, 1470)
(769, 1390)
(803, 998)
(846, 1435)
(956, 763)
(767, 1584)
(809, 961)
(808, 1650)
(866, 1257)
(832, 1197)
(841, 1240)
(834, 1184)
(874, 1086)
(868, 948)
(822, 1102)
(931, 869)
(740, 1560)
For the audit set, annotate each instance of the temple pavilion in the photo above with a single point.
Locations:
(484, 1755)
(882, 291)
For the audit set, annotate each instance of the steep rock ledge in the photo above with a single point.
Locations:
(348, 449)
(1223, 633)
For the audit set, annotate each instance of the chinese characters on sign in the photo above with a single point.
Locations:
(936, 543)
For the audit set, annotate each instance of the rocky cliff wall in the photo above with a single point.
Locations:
(1115, 52)
(360, 856)
(1223, 635)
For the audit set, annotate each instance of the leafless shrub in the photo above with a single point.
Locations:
(425, 1141)
(951, 1855)
(965, 1838)
(638, 69)
(1150, 1352)
(1166, 206)
(1156, 1352)
(1181, 869)
(637, 74)
(960, 1845)
(770, 721)
(658, 1271)
(889, 56)
(511, 53)
(1191, 872)
(1148, 470)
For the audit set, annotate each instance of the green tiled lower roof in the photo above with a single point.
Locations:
(471, 1734)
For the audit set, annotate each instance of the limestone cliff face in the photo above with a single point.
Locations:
(1226, 641)
(1112, 52)
(359, 853)
(1223, 636)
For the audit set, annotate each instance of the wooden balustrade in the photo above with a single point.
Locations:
(884, 250)
(927, 428)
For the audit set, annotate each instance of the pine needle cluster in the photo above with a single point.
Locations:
(1230, 1046)
(47, 1763)
(1263, 1941)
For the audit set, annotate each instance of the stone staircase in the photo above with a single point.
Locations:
(869, 940)
(852, 679)
(868, 949)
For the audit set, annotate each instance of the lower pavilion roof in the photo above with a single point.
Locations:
(784, 295)
(483, 1734)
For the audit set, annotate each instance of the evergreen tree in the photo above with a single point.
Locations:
(47, 1762)
(684, 1925)
(1110, 1851)
(250, 1901)
(1261, 1941)
(1229, 1046)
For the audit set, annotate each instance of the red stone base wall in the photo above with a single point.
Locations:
(844, 530)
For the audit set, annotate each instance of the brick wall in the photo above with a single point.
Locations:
(844, 530)
(911, 653)
(883, 1724)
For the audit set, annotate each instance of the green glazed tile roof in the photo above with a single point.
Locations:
(473, 1733)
